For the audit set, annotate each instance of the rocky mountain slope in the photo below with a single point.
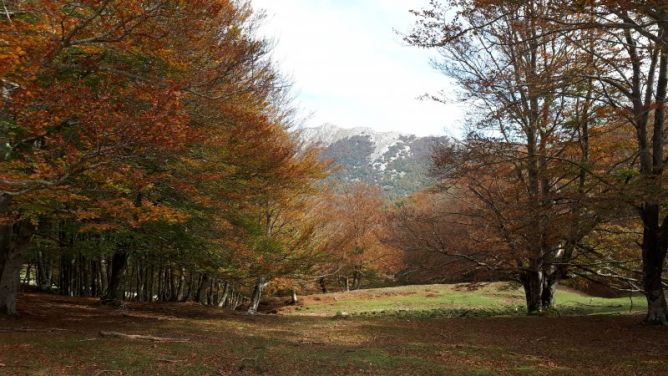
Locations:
(398, 163)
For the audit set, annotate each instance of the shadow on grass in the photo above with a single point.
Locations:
(576, 309)
(221, 343)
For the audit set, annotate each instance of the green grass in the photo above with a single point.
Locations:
(458, 300)
(65, 340)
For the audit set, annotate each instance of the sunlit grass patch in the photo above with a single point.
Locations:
(455, 301)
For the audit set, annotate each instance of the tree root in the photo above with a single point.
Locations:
(28, 330)
(142, 337)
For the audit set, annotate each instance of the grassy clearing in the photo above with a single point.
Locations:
(59, 336)
(459, 300)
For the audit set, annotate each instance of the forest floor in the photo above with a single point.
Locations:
(61, 336)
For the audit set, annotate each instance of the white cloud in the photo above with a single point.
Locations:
(351, 68)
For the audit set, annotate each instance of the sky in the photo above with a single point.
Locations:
(349, 66)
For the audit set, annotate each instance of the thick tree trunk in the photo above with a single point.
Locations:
(9, 280)
(532, 281)
(257, 295)
(14, 239)
(653, 258)
(550, 283)
(357, 279)
(655, 238)
(323, 284)
(119, 262)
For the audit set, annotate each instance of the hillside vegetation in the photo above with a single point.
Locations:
(397, 163)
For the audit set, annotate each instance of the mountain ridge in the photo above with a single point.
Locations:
(397, 163)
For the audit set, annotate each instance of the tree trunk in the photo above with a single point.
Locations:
(63, 279)
(119, 262)
(294, 300)
(236, 301)
(201, 290)
(357, 279)
(151, 283)
(181, 285)
(655, 238)
(532, 282)
(215, 296)
(14, 239)
(653, 258)
(146, 283)
(173, 285)
(44, 272)
(9, 279)
(27, 278)
(257, 295)
(223, 299)
(191, 287)
(160, 285)
(104, 281)
(550, 283)
(209, 295)
(231, 301)
(94, 285)
(323, 284)
(87, 273)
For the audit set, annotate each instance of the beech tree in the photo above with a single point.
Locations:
(526, 159)
(123, 132)
(443, 241)
(623, 85)
(633, 56)
(81, 98)
(356, 240)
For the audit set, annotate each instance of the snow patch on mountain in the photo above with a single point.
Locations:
(328, 134)
(397, 163)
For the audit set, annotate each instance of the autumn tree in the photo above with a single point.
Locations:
(120, 123)
(436, 232)
(88, 96)
(632, 54)
(524, 160)
(356, 238)
(274, 217)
